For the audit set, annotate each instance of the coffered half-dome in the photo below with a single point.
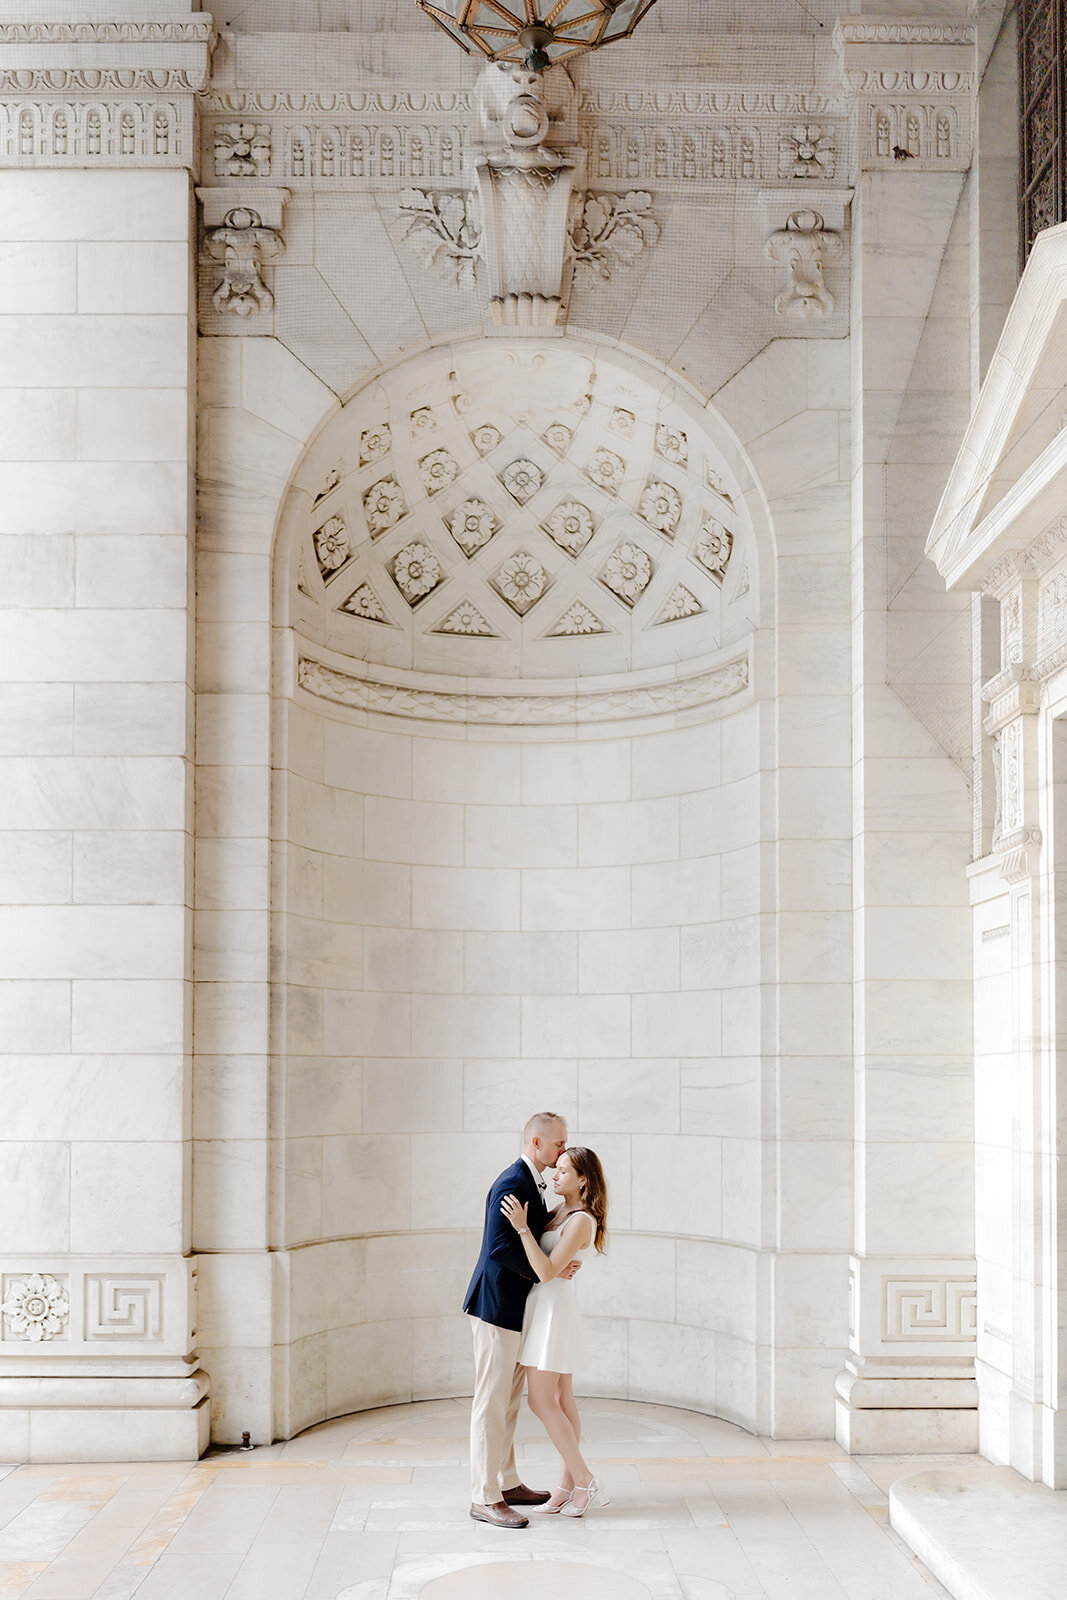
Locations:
(532, 510)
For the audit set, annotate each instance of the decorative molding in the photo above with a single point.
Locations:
(79, 1307)
(35, 1307)
(1018, 854)
(131, 80)
(523, 707)
(139, 131)
(914, 82)
(121, 1305)
(929, 1308)
(804, 248)
(912, 1316)
(609, 232)
(113, 93)
(198, 30)
(904, 30)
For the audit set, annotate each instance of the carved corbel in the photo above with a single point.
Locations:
(804, 248)
(526, 164)
(242, 234)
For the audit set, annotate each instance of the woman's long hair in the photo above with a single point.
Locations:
(586, 1164)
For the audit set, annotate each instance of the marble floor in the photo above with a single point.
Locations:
(374, 1507)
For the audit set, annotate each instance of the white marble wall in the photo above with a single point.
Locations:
(475, 929)
(96, 319)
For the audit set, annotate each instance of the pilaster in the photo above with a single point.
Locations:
(908, 1383)
(98, 1342)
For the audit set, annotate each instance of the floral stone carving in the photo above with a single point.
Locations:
(422, 420)
(467, 621)
(364, 603)
(242, 150)
(672, 444)
(806, 151)
(557, 436)
(713, 546)
(383, 506)
(803, 248)
(485, 438)
(332, 546)
(438, 470)
(661, 507)
(606, 470)
(521, 581)
(522, 479)
(375, 444)
(622, 421)
(441, 232)
(570, 526)
(627, 572)
(35, 1308)
(610, 232)
(242, 245)
(577, 621)
(416, 571)
(681, 602)
(472, 525)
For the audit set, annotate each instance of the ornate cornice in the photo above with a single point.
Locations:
(117, 93)
(913, 80)
(198, 30)
(903, 30)
(524, 706)
(686, 139)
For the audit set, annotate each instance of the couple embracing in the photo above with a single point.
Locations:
(526, 1324)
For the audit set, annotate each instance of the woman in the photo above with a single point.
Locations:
(552, 1341)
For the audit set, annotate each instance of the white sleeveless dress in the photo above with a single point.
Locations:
(552, 1335)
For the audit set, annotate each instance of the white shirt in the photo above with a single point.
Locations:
(538, 1179)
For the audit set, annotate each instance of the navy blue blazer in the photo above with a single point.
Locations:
(503, 1277)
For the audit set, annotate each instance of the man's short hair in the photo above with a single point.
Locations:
(540, 1125)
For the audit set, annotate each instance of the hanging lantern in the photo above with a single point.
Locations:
(538, 33)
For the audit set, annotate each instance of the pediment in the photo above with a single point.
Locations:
(1009, 479)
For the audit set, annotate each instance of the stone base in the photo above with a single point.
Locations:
(985, 1532)
(904, 1431)
(104, 1419)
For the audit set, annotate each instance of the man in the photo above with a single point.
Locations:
(496, 1300)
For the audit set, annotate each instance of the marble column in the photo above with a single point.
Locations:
(908, 1384)
(97, 1309)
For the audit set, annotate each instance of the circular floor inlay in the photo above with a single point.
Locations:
(535, 1580)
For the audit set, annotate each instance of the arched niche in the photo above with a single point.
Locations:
(519, 831)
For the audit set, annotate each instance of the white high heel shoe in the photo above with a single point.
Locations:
(594, 1492)
(548, 1509)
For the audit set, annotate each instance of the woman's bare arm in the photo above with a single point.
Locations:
(575, 1237)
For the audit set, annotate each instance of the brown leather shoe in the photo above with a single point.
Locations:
(499, 1515)
(521, 1496)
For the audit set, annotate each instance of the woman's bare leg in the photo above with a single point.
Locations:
(565, 1392)
(542, 1393)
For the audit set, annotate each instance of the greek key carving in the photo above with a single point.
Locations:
(123, 1307)
(929, 1308)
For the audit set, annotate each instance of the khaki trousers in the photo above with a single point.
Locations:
(498, 1381)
